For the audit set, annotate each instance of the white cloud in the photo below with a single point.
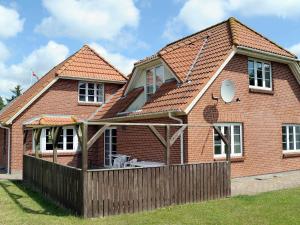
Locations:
(121, 62)
(40, 61)
(93, 19)
(4, 52)
(10, 22)
(295, 49)
(198, 14)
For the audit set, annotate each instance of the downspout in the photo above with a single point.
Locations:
(181, 137)
(8, 147)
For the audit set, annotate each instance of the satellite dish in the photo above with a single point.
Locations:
(227, 91)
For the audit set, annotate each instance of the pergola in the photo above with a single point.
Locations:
(82, 132)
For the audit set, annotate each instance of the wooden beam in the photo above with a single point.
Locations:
(158, 135)
(37, 136)
(168, 144)
(79, 134)
(54, 137)
(24, 140)
(96, 136)
(177, 134)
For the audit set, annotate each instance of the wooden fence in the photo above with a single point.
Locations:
(113, 192)
(61, 183)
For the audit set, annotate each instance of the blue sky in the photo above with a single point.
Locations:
(38, 34)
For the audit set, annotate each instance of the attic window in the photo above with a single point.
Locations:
(260, 76)
(90, 92)
(154, 79)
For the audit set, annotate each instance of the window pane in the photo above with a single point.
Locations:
(149, 77)
(297, 137)
(82, 85)
(69, 146)
(82, 98)
(284, 145)
(159, 74)
(251, 72)
(291, 138)
(259, 74)
(237, 149)
(218, 143)
(100, 93)
(49, 145)
(217, 149)
(82, 91)
(114, 132)
(91, 98)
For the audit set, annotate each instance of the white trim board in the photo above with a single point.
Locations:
(209, 83)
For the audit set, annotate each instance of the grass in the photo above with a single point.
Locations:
(19, 205)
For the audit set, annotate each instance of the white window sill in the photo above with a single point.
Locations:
(291, 154)
(90, 103)
(233, 158)
(261, 90)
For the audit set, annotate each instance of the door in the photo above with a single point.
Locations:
(110, 146)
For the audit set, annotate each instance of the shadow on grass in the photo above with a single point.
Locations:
(48, 207)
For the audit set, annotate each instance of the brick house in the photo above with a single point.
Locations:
(71, 91)
(181, 84)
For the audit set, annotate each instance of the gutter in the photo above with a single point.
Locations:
(181, 138)
(8, 147)
(242, 49)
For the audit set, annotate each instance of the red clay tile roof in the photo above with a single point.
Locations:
(174, 97)
(244, 36)
(53, 120)
(84, 64)
(181, 56)
(117, 104)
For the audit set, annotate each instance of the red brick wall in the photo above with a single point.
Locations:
(61, 98)
(262, 116)
(3, 147)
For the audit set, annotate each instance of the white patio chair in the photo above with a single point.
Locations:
(128, 163)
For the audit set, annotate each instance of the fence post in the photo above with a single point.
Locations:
(84, 170)
(228, 159)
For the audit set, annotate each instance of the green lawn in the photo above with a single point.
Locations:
(18, 205)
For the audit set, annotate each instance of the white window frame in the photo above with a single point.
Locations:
(95, 93)
(154, 79)
(255, 86)
(223, 154)
(110, 150)
(288, 150)
(43, 141)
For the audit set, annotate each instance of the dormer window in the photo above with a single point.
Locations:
(260, 76)
(91, 92)
(154, 79)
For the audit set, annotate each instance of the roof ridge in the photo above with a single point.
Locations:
(232, 33)
(105, 60)
(233, 19)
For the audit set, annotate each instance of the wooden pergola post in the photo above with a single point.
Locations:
(84, 149)
(36, 136)
(168, 144)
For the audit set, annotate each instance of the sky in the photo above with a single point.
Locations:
(36, 35)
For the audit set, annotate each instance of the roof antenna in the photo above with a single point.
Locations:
(197, 58)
